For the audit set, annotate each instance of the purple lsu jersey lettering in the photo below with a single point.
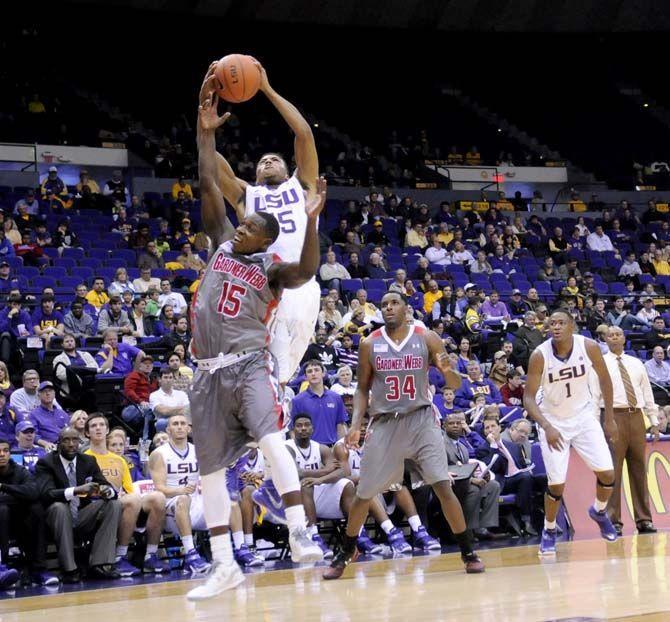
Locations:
(400, 373)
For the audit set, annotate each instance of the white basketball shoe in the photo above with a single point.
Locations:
(303, 548)
(222, 577)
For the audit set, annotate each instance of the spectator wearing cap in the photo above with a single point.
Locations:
(517, 306)
(188, 259)
(29, 202)
(185, 231)
(115, 357)
(115, 189)
(25, 399)
(471, 292)
(181, 185)
(6, 281)
(137, 387)
(46, 321)
(167, 401)
(48, 417)
(648, 313)
(23, 444)
(86, 180)
(53, 184)
(499, 369)
(658, 334)
(377, 235)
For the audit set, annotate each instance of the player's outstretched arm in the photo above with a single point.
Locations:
(215, 221)
(292, 275)
(306, 156)
(440, 359)
(533, 381)
(606, 388)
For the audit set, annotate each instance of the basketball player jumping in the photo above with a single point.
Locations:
(393, 383)
(284, 197)
(234, 399)
(560, 369)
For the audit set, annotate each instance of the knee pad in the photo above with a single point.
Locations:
(216, 500)
(604, 485)
(554, 497)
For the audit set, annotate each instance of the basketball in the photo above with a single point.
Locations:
(239, 78)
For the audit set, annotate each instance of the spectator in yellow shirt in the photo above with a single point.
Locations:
(98, 296)
(86, 180)
(35, 106)
(181, 185)
(444, 235)
(660, 263)
(430, 297)
(416, 236)
(473, 157)
(193, 287)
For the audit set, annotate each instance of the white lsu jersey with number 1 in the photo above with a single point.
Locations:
(286, 203)
(565, 390)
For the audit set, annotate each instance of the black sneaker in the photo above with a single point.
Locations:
(339, 564)
(473, 565)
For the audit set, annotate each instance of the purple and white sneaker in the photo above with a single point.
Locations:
(268, 497)
(125, 568)
(244, 557)
(154, 565)
(195, 563)
(366, 546)
(424, 541)
(397, 542)
(44, 578)
(8, 577)
(327, 553)
(548, 542)
(607, 529)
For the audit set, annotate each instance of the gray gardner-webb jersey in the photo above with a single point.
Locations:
(400, 372)
(234, 305)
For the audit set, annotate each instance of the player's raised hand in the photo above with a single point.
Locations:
(554, 438)
(314, 205)
(353, 438)
(265, 83)
(208, 115)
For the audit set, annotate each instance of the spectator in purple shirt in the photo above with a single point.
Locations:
(7, 420)
(324, 406)
(14, 323)
(494, 311)
(115, 357)
(48, 418)
(475, 385)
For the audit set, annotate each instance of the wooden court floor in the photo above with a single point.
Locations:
(589, 580)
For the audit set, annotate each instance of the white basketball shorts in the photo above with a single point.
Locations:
(327, 498)
(585, 434)
(294, 326)
(196, 514)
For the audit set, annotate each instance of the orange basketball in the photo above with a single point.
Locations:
(239, 78)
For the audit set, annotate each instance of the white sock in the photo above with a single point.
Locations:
(187, 542)
(312, 530)
(387, 525)
(151, 549)
(238, 539)
(549, 524)
(414, 522)
(222, 551)
(599, 505)
(360, 533)
(121, 551)
(295, 517)
(249, 539)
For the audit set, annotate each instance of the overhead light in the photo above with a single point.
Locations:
(645, 105)
(499, 130)
(316, 125)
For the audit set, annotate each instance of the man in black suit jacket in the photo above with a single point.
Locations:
(505, 459)
(79, 500)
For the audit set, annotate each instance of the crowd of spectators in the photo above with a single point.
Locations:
(484, 280)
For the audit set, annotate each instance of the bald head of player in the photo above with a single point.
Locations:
(255, 233)
(394, 309)
(271, 170)
(561, 326)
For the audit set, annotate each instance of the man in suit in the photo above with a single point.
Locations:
(79, 501)
(518, 433)
(506, 460)
(478, 494)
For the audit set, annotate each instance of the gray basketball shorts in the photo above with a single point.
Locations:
(391, 440)
(232, 407)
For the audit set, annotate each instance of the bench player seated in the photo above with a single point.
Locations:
(116, 471)
(174, 470)
(350, 461)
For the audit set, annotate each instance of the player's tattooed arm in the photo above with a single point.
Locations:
(534, 379)
(440, 359)
(215, 221)
(306, 157)
(292, 275)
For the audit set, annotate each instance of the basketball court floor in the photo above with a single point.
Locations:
(589, 580)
